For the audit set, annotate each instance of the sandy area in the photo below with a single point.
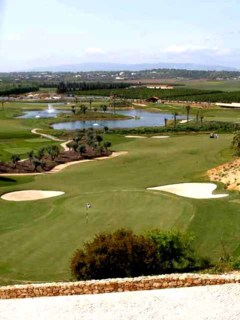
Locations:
(228, 173)
(30, 195)
(136, 137)
(191, 190)
(60, 167)
(139, 104)
(160, 137)
(197, 303)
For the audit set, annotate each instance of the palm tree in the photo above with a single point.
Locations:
(81, 149)
(30, 155)
(175, 114)
(73, 109)
(188, 108)
(197, 116)
(104, 107)
(105, 129)
(53, 151)
(83, 108)
(36, 163)
(165, 122)
(99, 139)
(41, 153)
(107, 145)
(201, 120)
(15, 158)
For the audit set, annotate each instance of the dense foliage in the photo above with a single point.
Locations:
(125, 254)
(176, 94)
(17, 90)
(145, 93)
(65, 87)
(207, 126)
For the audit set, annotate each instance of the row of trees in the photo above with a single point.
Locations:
(17, 90)
(65, 87)
(36, 159)
(126, 254)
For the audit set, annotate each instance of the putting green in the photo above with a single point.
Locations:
(17, 150)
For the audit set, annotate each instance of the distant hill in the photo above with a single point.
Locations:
(101, 66)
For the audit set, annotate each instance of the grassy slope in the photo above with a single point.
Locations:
(38, 238)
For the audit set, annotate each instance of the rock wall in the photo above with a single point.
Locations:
(115, 285)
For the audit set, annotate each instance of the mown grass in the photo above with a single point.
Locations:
(38, 238)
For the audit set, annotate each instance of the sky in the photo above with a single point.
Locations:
(44, 33)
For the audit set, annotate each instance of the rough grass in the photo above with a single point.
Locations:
(38, 238)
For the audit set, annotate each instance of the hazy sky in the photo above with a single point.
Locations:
(35, 33)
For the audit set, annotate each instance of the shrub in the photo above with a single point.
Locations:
(174, 250)
(125, 254)
(236, 263)
(118, 254)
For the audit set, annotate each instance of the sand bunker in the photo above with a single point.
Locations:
(191, 190)
(160, 137)
(30, 195)
(136, 137)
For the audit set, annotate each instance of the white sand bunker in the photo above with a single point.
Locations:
(30, 195)
(192, 190)
(136, 137)
(160, 137)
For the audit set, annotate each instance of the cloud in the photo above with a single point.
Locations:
(95, 51)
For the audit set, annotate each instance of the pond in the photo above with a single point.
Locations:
(49, 112)
(140, 119)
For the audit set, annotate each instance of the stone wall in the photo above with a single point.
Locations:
(115, 285)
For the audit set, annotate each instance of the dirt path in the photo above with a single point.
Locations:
(48, 136)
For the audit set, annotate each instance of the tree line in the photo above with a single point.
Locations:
(18, 90)
(65, 87)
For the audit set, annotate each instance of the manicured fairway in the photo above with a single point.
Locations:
(37, 239)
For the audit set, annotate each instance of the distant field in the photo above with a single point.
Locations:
(231, 85)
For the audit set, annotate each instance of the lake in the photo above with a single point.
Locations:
(140, 119)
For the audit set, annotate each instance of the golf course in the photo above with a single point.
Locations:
(38, 238)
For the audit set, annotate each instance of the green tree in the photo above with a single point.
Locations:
(15, 159)
(81, 149)
(53, 151)
(188, 108)
(36, 163)
(104, 107)
(107, 145)
(40, 153)
(99, 139)
(174, 250)
(30, 155)
(175, 114)
(83, 108)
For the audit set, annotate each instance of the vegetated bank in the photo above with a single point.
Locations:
(88, 145)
